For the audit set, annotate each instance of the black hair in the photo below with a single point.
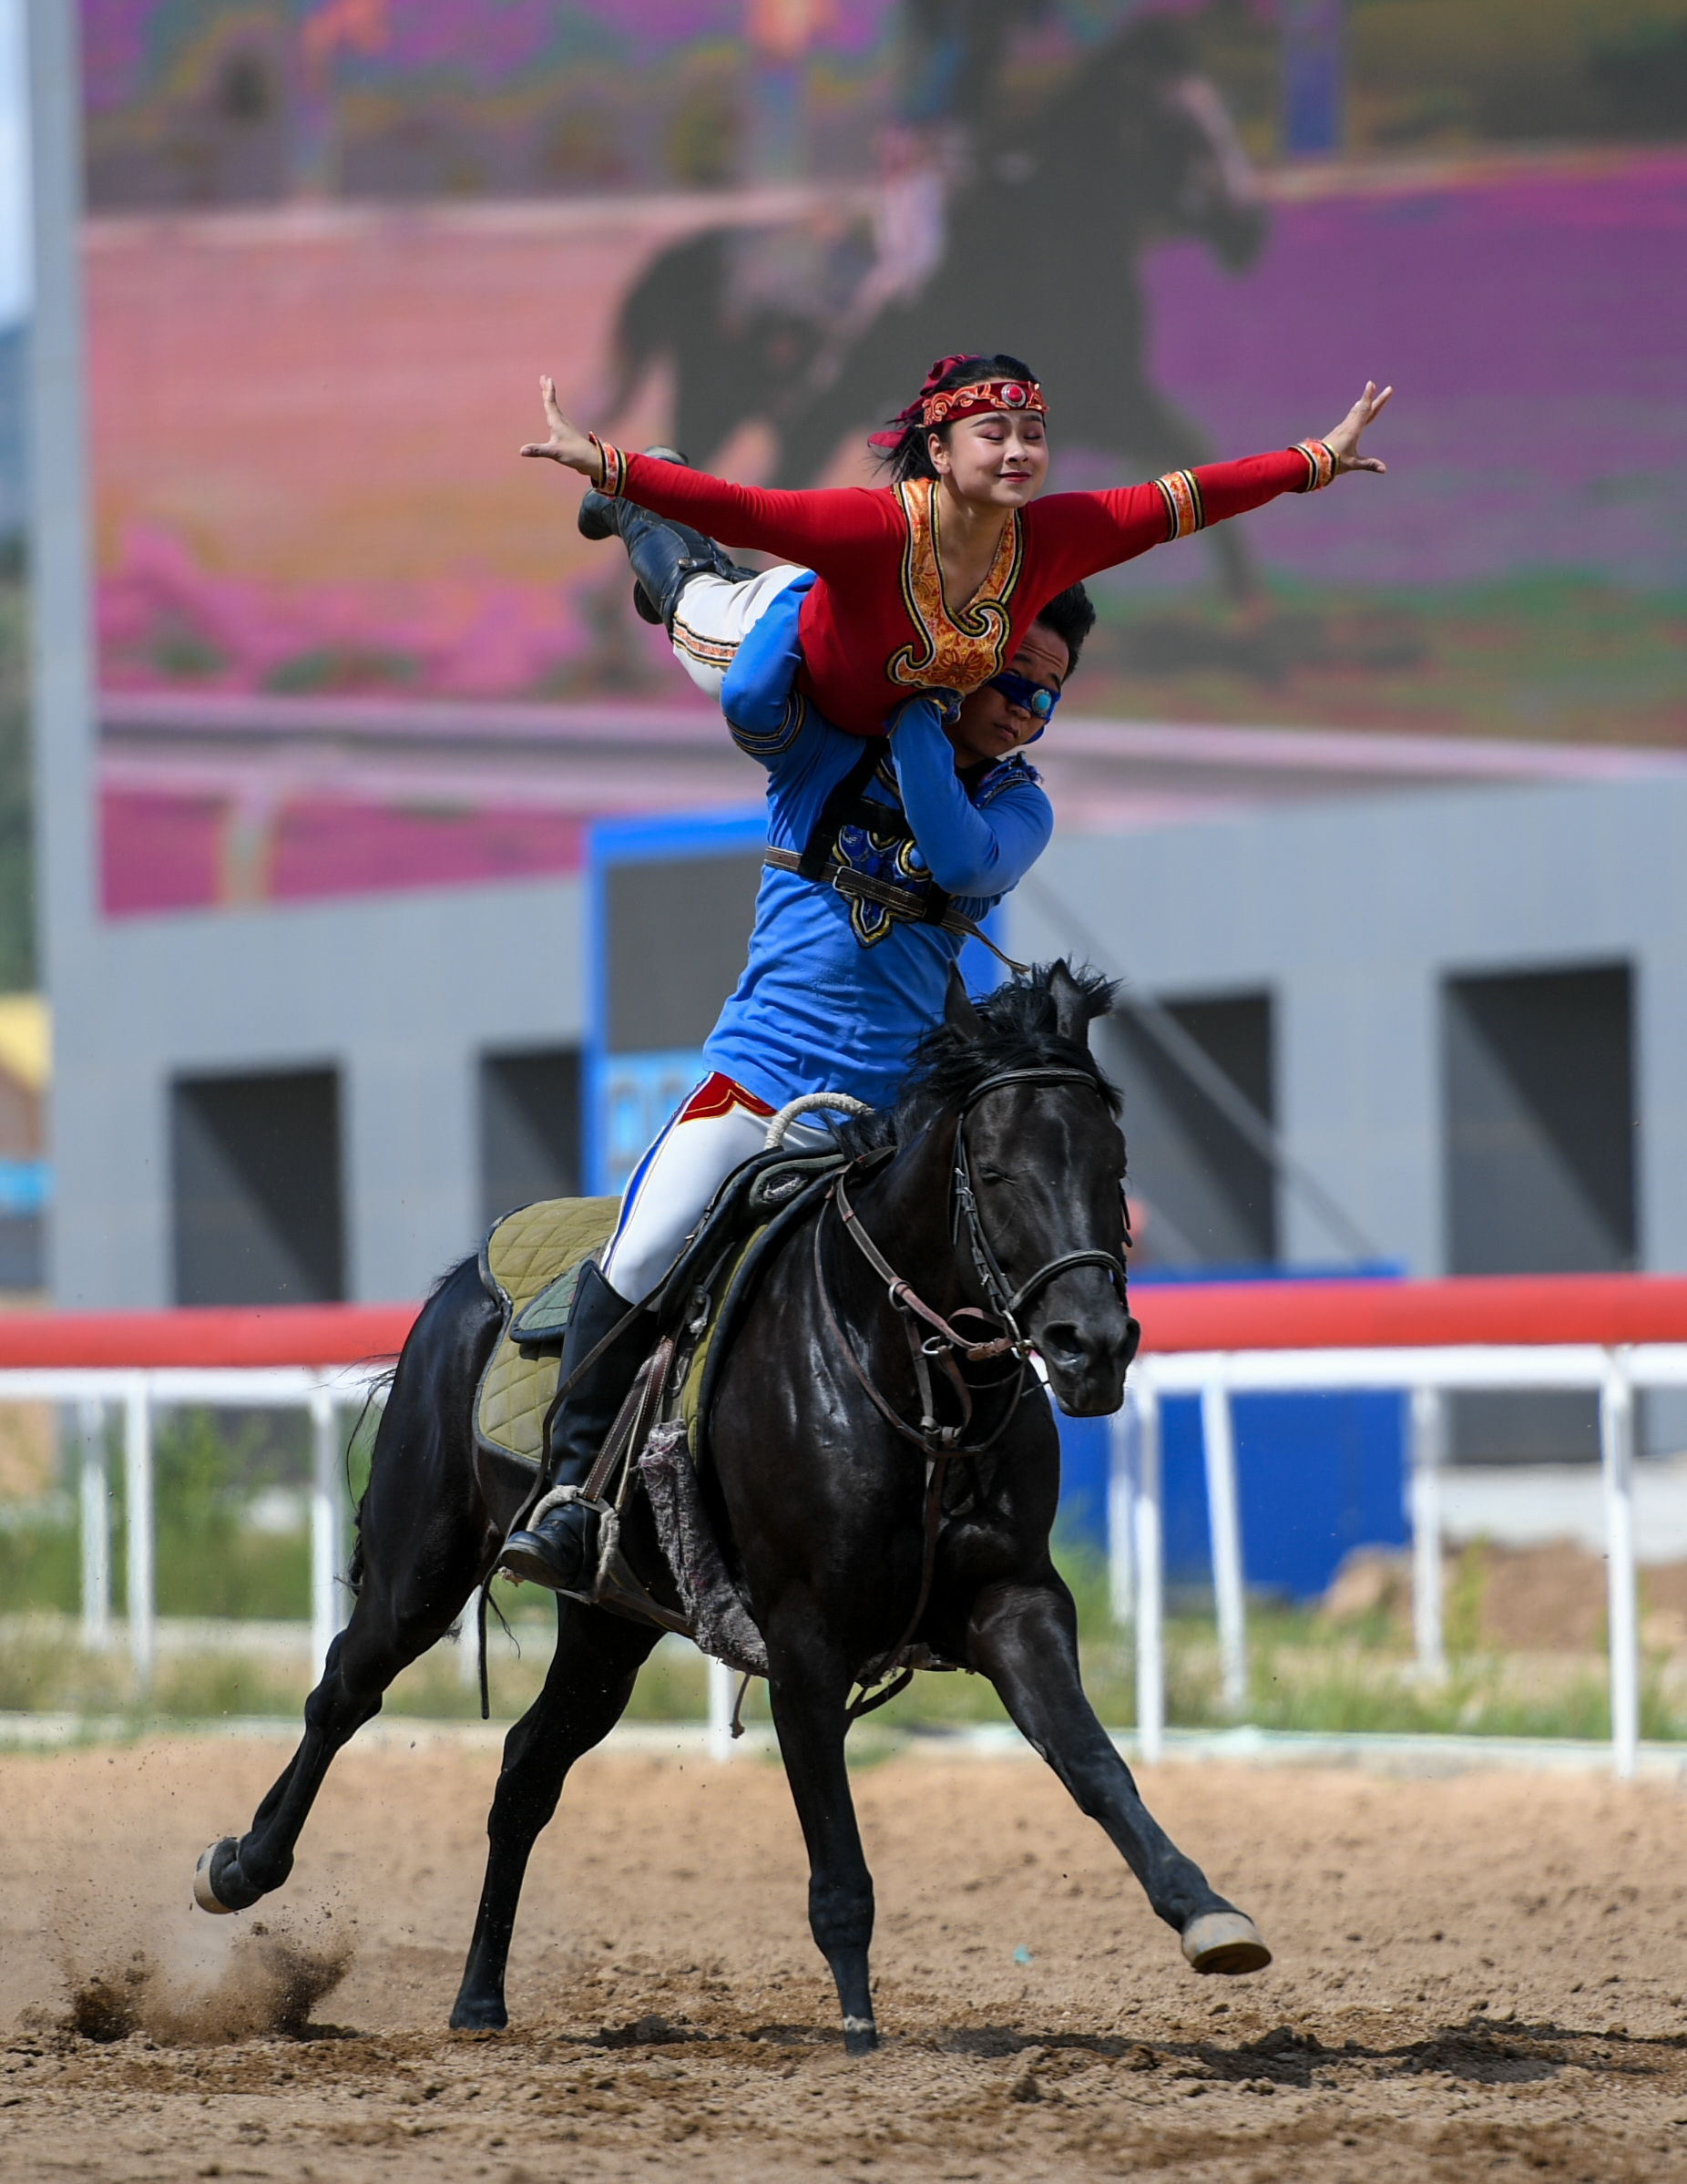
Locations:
(1071, 617)
(1018, 1029)
(911, 457)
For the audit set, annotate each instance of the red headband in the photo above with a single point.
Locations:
(932, 407)
(984, 394)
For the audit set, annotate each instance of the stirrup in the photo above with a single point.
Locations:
(591, 1542)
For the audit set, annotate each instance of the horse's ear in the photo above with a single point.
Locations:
(958, 1013)
(1073, 1005)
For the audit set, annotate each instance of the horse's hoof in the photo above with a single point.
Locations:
(204, 1894)
(478, 2014)
(1225, 1942)
(861, 2035)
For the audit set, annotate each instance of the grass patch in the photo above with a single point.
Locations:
(1304, 1673)
(1550, 655)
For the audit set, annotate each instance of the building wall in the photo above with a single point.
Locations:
(1351, 914)
(401, 994)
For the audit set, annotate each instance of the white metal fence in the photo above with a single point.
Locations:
(1426, 1376)
(93, 1393)
(328, 1395)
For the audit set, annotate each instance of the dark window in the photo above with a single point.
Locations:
(1539, 1104)
(257, 1209)
(529, 1128)
(678, 929)
(1539, 1108)
(1208, 1193)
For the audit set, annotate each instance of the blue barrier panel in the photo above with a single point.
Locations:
(1317, 1475)
(1085, 1456)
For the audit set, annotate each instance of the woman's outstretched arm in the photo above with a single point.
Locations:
(826, 531)
(1091, 531)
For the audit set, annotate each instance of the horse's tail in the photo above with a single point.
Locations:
(378, 1387)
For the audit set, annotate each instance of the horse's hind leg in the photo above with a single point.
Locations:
(362, 1662)
(808, 1686)
(1025, 1639)
(591, 1677)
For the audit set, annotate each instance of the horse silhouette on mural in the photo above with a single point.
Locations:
(1035, 252)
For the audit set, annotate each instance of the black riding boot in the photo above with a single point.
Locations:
(560, 1551)
(664, 554)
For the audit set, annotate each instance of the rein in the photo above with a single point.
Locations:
(946, 1343)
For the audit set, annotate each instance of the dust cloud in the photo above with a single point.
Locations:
(269, 1984)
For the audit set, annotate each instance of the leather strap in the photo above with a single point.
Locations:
(835, 813)
(900, 902)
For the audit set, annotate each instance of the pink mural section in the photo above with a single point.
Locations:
(306, 420)
(164, 852)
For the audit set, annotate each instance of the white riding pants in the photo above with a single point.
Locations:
(708, 1136)
(715, 614)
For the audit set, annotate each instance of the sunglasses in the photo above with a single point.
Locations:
(1026, 696)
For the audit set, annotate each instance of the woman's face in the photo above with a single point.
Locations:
(997, 459)
(988, 726)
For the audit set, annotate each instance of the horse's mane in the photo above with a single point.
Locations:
(1018, 1031)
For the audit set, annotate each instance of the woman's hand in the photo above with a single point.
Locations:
(566, 444)
(1344, 442)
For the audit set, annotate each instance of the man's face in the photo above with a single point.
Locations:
(988, 726)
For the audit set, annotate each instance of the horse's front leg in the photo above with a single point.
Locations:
(1024, 1637)
(808, 1686)
(596, 1661)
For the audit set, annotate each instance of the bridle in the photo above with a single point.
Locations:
(945, 1342)
(932, 1338)
(964, 1205)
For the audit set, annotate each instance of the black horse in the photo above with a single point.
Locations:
(995, 1189)
(1041, 260)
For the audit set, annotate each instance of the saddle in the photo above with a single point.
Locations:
(530, 1262)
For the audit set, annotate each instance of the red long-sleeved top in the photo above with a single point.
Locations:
(875, 626)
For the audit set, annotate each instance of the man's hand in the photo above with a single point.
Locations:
(566, 444)
(1344, 442)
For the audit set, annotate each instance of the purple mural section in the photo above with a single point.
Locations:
(1535, 327)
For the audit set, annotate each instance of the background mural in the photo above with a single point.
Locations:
(331, 247)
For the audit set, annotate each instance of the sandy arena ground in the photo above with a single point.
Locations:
(1476, 1977)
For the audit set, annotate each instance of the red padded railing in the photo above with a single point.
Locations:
(195, 1335)
(1505, 1308)
(1602, 1308)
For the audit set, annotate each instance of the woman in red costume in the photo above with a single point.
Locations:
(928, 583)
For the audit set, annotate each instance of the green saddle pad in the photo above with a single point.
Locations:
(531, 1260)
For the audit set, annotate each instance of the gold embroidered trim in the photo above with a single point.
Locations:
(1186, 512)
(954, 650)
(614, 468)
(1321, 464)
(708, 651)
